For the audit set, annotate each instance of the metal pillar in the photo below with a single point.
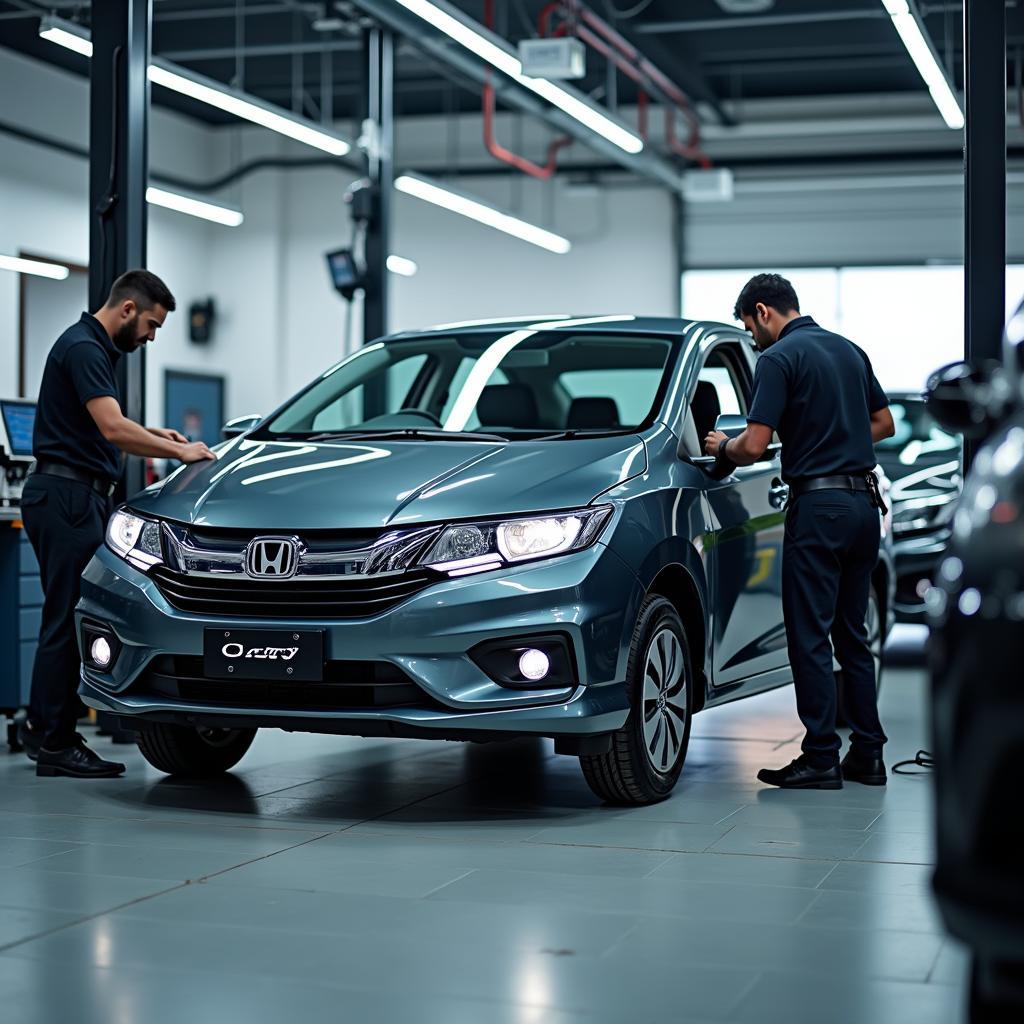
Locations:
(118, 167)
(379, 133)
(984, 181)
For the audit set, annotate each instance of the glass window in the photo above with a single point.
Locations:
(917, 433)
(517, 384)
(361, 403)
(909, 320)
(630, 389)
(720, 378)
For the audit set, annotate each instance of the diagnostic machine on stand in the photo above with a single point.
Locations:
(21, 595)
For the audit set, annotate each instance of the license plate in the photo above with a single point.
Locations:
(263, 654)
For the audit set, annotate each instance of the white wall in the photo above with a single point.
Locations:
(279, 321)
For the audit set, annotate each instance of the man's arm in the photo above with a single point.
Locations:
(134, 439)
(744, 450)
(882, 425)
(169, 434)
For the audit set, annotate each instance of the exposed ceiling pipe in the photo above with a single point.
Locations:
(646, 164)
(588, 27)
(495, 148)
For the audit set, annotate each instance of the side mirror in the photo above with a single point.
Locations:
(239, 425)
(968, 399)
(731, 424)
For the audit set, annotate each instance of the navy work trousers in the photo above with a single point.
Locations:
(830, 552)
(65, 521)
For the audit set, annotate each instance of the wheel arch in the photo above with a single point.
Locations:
(675, 583)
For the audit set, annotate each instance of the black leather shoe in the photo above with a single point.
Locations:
(29, 739)
(867, 769)
(801, 775)
(78, 762)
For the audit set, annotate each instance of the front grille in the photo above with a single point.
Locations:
(347, 685)
(306, 598)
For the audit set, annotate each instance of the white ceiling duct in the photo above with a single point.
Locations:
(746, 6)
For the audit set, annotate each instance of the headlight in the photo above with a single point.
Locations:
(477, 547)
(135, 539)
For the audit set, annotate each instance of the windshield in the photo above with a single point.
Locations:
(917, 433)
(513, 385)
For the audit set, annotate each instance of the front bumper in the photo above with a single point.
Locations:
(592, 597)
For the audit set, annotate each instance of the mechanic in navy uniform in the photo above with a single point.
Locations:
(80, 433)
(818, 391)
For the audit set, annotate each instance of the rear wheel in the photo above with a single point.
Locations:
(196, 753)
(876, 643)
(647, 753)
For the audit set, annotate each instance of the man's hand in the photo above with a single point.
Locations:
(168, 434)
(195, 452)
(712, 442)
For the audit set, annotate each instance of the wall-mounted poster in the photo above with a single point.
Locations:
(194, 404)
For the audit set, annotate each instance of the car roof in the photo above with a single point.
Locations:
(620, 323)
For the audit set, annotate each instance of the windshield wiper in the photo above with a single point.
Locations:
(566, 435)
(397, 433)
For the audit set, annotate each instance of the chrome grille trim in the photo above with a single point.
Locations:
(391, 554)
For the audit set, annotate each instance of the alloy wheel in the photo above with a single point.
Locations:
(664, 700)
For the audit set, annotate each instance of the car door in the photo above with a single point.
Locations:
(746, 515)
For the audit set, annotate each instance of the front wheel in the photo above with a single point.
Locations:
(195, 753)
(647, 753)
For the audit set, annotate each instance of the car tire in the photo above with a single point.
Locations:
(648, 752)
(877, 644)
(195, 753)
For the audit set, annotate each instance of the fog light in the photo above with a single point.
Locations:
(100, 652)
(534, 664)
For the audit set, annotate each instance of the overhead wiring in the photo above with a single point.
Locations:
(632, 12)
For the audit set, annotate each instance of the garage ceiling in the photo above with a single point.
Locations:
(306, 55)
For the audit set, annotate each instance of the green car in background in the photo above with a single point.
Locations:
(476, 532)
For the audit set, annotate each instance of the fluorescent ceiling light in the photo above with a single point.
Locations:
(923, 55)
(38, 267)
(194, 207)
(422, 188)
(208, 91)
(401, 265)
(489, 49)
(82, 44)
(216, 95)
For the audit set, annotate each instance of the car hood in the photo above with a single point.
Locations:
(289, 485)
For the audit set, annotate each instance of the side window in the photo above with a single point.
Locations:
(721, 390)
(721, 379)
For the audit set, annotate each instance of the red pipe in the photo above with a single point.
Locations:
(641, 71)
(495, 148)
(499, 152)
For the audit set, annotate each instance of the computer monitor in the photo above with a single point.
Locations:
(19, 418)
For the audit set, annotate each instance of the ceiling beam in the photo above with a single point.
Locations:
(414, 31)
(760, 21)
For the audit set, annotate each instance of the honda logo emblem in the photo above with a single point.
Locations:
(272, 557)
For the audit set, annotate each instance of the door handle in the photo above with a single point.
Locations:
(778, 494)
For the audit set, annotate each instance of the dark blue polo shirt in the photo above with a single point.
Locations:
(81, 366)
(818, 391)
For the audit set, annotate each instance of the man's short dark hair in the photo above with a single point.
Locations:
(771, 289)
(146, 290)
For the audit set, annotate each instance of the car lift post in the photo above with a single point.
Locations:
(118, 170)
(984, 184)
(378, 145)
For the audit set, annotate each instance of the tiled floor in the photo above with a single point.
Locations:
(372, 881)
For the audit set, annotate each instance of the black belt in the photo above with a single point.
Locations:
(867, 482)
(99, 484)
(828, 483)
